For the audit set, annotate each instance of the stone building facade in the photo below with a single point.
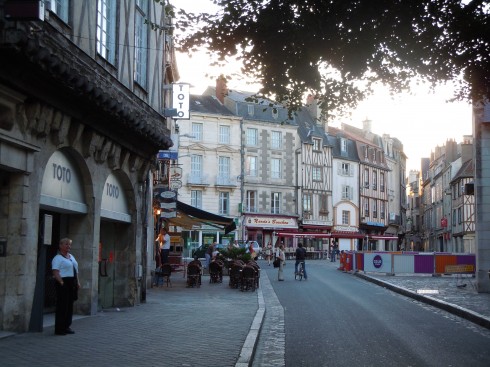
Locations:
(80, 127)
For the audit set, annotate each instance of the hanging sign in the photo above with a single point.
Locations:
(180, 100)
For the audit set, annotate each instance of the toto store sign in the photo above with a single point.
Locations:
(377, 262)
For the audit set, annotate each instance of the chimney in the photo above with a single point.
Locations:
(313, 106)
(367, 125)
(221, 89)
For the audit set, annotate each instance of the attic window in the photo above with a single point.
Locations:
(343, 145)
(275, 113)
(251, 110)
(317, 144)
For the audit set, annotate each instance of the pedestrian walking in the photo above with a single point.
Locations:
(65, 273)
(268, 253)
(282, 262)
(209, 254)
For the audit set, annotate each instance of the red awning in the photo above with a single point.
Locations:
(383, 237)
(311, 226)
(303, 234)
(347, 234)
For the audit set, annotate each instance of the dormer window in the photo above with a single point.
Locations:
(317, 144)
(343, 145)
(275, 113)
(251, 109)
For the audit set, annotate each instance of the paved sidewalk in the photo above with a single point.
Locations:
(448, 292)
(213, 325)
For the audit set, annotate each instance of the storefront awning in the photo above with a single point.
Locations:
(347, 234)
(383, 237)
(303, 234)
(189, 216)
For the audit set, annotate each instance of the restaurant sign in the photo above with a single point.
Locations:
(270, 222)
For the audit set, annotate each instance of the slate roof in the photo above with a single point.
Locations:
(467, 170)
(335, 135)
(263, 108)
(207, 104)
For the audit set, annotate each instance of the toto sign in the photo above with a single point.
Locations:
(377, 261)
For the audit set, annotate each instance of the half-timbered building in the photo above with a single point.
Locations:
(462, 225)
(314, 182)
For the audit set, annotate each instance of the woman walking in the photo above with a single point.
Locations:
(268, 253)
(281, 257)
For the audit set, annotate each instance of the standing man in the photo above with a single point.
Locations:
(209, 253)
(164, 241)
(300, 257)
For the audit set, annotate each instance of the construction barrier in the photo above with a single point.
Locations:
(348, 256)
(408, 262)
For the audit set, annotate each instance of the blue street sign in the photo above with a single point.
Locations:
(168, 154)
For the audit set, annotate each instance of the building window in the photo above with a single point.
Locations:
(375, 209)
(460, 217)
(345, 217)
(251, 201)
(317, 173)
(276, 203)
(252, 137)
(224, 134)
(307, 206)
(59, 7)
(141, 43)
(324, 204)
(106, 30)
(196, 166)
(382, 181)
(251, 109)
(366, 208)
(197, 131)
(223, 170)
(224, 202)
(196, 199)
(347, 192)
(366, 178)
(375, 180)
(382, 210)
(317, 144)
(275, 113)
(343, 145)
(276, 168)
(251, 168)
(276, 140)
(345, 169)
(454, 217)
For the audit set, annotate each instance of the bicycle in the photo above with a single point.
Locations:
(301, 271)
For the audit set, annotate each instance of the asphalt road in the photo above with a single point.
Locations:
(335, 319)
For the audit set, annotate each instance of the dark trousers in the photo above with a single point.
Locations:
(164, 255)
(64, 304)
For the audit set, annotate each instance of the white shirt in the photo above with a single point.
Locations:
(165, 244)
(64, 265)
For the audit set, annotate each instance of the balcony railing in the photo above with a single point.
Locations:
(225, 181)
(197, 179)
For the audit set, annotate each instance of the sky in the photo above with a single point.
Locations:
(421, 121)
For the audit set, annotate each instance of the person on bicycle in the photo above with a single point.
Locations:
(300, 257)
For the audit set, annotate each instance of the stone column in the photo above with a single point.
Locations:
(481, 133)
